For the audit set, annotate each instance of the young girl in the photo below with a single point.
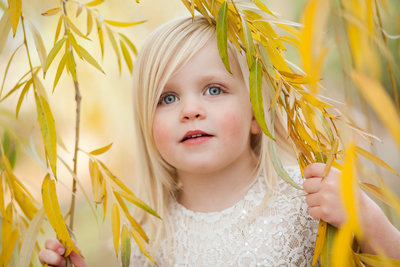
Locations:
(203, 165)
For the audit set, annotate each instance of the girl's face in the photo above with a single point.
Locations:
(203, 120)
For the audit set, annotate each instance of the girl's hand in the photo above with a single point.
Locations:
(53, 253)
(323, 196)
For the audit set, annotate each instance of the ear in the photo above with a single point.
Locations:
(254, 127)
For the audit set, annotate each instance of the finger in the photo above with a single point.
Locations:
(77, 260)
(314, 170)
(50, 257)
(54, 245)
(312, 185)
(312, 200)
(315, 212)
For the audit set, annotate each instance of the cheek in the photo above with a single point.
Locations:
(235, 126)
(162, 135)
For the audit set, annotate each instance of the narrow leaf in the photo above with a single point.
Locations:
(115, 227)
(248, 42)
(60, 70)
(53, 52)
(58, 30)
(123, 24)
(127, 56)
(101, 150)
(376, 261)
(374, 159)
(222, 34)
(319, 241)
(53, 212)
(14, 9)
(2, 206)
(125, 246)
(136, 201)
(51, 12)
(261, 5)
(142, 245)
(94, 3)
(74, 28)
(39, 45)
(89, 22)
(5, 28)
(85, 54)
(22, 96)
(115, 46)
(48, 129)
(379, 194)
(30, 237)
(380, 101)
(71, 67)
(101, 37)
(8, 65)
(130, 44)
(256, 96)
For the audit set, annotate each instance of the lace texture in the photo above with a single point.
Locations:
(251, 233)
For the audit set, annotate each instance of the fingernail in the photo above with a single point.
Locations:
(61, 251)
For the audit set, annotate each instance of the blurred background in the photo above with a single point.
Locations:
(107, 106)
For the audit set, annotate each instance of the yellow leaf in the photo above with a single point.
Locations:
(331, 158)
(71, 67)
(380, 101)
(53, 212)
(319, 241)
(14, 9)
(123, 24)
(348, 180)
(89, 22)
(376, 261)
(79, 9)
(115, 46)
(127, 56)
(374, 159)
(2, 208)
(101, 150)
(71, 39)
(60, 70)
(94, 3)
(125, 246)
(94, 177)
(136, 201)
(30, 237)
(22, 95)
(74, 28)
(378, 193)
(53, 52)
(261, 5)
(8, 237)
(222, 34)
(51, 12)
(85, 54)
(48, 129)
(115, 227)
(114, 178)
(58, 30)
(5, 27)
(130, 44)
(142, 246)
(39, 45)
(133, 222)
(101, 37)
(342, 251)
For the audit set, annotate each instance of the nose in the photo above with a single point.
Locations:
(192, 110)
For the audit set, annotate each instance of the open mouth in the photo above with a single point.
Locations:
(194, 135)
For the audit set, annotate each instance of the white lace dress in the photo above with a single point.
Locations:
(281, 233)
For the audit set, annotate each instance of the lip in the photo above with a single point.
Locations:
(204, 136)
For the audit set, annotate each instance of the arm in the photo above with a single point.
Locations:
(53, 255)
(325, 203)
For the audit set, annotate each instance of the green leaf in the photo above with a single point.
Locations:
(127, 56)
(125, 246)
(53, 52)
(248, 42)
(222, 34)
(85, 54)
(48, 129)
(256, 96)
(14, 9)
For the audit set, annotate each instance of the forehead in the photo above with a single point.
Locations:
(205, 63)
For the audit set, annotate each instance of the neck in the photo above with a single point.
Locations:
(208, 192)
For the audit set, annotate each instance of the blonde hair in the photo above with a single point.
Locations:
(164, 51)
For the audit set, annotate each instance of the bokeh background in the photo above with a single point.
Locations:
(107, 107)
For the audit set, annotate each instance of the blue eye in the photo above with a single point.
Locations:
(168, 99)
(213, 90)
